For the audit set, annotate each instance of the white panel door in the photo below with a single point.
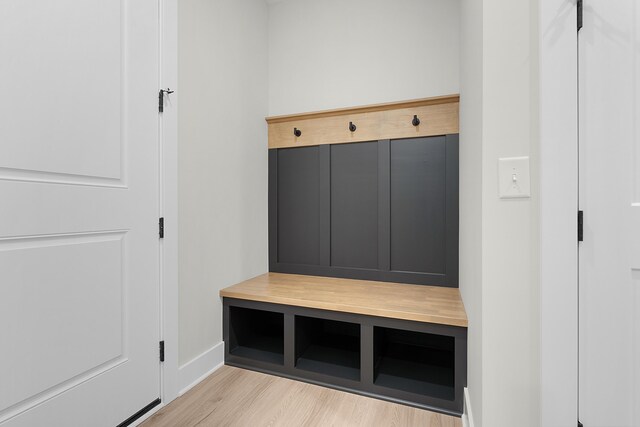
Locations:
(609, 290)
(79, 250)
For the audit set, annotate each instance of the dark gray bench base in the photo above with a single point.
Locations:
(411, 363)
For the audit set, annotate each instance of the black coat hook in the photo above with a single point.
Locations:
(415, 121)
(297, 132)
(352, 127)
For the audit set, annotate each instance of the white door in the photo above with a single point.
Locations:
(79, 258)
(609, 290)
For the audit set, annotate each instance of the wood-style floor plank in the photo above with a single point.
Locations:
(238, 397)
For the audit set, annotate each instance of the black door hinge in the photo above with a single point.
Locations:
(162, 351)
(580, 424)
(580, 11)
(161, 228)
(580, 226)
(161, 98)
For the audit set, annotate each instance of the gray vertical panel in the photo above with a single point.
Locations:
(226, 333)
(289, 340)
(325, 205)
(354, 205)
(366, 353)
(460, 368)
(298, 205)
(418, 205)
(384, 206)
(273, 209)
(452, 208)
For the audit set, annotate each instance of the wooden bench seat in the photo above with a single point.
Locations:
(417, 303)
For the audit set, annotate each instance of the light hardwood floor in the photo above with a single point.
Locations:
(237, 397)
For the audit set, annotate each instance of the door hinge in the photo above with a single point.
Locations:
(580, 11)
(161, 98)
(161, 228)
(162, 351)
(580, 226)
(580, 424)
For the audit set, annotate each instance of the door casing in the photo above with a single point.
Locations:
(558, 257)
(169, 199)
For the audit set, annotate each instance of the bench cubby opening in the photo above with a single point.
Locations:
(256, 334)
(328, 347)
(415, 362)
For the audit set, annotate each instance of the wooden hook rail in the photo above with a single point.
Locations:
(407, 119)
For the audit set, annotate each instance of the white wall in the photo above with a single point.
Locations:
(336, 53)
(510, 302)
(471, 92)
(222, 77)
(499, 99)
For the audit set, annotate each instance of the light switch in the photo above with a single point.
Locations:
(513, 177)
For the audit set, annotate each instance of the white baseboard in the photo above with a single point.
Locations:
(191, 373)
(467, 415)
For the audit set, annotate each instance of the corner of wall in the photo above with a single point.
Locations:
(471, 201)
(467, 414)
(222, 160)
(192, 373)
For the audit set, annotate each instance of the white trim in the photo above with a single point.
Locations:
(467, 414)
(169, 198)
(191, 373)
(558, 213)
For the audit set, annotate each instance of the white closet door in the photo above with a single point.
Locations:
(609, 357)
(79, 259)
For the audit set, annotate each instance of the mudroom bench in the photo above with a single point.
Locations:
(399, 342)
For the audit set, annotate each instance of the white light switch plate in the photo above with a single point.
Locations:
(513, 177)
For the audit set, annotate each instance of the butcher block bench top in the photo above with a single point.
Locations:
(418, 303)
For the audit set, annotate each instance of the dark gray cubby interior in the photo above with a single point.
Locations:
(416, 362)
(382, 210)
(256, 334)
(328, 347)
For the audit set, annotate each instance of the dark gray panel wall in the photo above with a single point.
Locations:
(354, 205)
(298, 189)
(384, 210)
(418, 205)
(453, 208)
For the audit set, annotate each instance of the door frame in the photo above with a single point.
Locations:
(168, 206)
(558, 85)
(168, 209)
